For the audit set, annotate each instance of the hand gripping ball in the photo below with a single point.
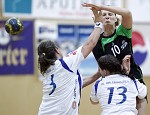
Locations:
(13, 26)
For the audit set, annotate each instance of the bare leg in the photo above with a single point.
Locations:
(141, 106)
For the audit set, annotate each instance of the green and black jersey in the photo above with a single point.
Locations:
(118, 44)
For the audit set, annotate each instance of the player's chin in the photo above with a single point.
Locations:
(108, 24)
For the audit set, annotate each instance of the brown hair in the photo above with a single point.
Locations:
(110, 63)
(117, 22)
(47, 55)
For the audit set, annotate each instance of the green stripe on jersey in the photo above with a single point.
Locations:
(124, 32)
(120, 31)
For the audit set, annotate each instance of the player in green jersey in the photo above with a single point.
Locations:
(116, 40)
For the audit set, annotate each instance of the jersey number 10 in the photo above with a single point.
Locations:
(115, 49)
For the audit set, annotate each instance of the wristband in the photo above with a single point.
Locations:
(99, 25)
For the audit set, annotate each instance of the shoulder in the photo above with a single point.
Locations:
(121, 30)
(74, 52)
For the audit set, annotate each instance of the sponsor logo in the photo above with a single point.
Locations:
(139, 48)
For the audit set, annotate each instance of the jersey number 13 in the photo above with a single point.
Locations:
(124, 97)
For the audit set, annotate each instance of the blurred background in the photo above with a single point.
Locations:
(66, 22)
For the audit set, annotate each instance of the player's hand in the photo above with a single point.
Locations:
(126, 63)
(97, 15)
(91, 5)
(96, 11)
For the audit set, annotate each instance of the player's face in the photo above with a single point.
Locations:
(109, 18)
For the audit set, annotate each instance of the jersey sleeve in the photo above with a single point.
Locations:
(121, 30)
(98, 50)
(74, 58)
(93, 96)
(142, 90)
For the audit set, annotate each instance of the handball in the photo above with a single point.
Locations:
(13, 26)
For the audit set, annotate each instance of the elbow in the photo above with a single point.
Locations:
(128, 13)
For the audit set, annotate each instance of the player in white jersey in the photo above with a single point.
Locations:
(115, 91)
(62, 82)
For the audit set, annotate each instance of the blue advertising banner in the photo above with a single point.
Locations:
(71, 37)
(16, 51)
(67, 37)
(17, 6)
(67, 31)
(83, 32)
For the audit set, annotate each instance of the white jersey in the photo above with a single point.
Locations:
(117, 94)
(62, 86)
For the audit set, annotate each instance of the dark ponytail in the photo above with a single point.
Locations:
(47, 55)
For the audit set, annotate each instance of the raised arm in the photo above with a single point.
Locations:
(94, 36)
(126, 14)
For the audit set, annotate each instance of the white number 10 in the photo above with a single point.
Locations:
(115, 49)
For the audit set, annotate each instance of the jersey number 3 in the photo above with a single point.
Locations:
(53, 84)
(124, 97)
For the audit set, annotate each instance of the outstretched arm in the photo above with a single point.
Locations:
(126, 14)
(94, 36)
(90, 80)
